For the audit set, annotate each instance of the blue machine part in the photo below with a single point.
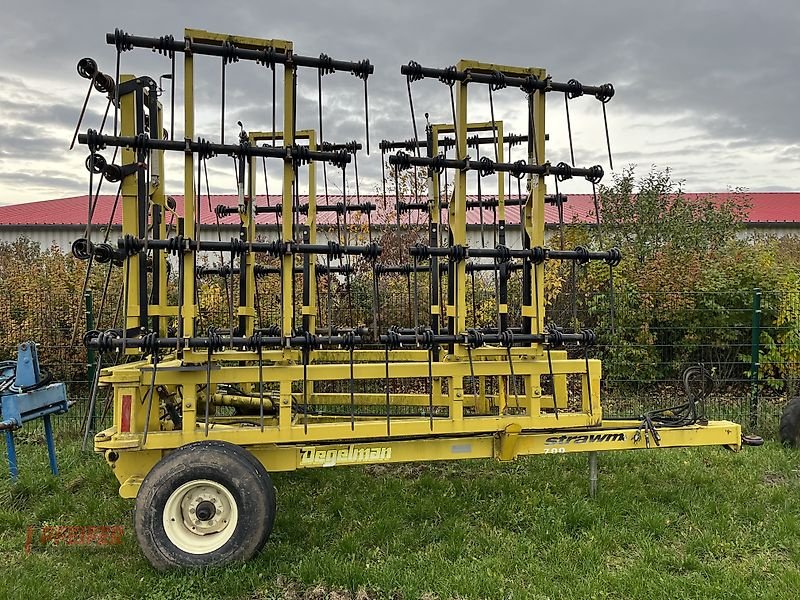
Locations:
(26, 395)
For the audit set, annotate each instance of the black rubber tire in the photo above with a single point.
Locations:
(228, 465)
(789, 429)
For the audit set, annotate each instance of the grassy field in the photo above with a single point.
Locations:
(671, 524)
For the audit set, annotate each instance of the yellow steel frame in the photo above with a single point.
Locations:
(521, 424)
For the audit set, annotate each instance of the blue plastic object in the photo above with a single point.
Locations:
(29, 397)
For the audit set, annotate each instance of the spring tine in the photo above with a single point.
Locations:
(430, 385)
(532, 139)
(222, 112)
(319, 103)
(480, 212)
(416, 188)
(612, 307)
(349, 291)
(321, 138)
(116, 94)
(106, 283)
(508, 157)
(413, 117)
(388, 405)
(560, 210)
(260, 388)
(272, 66)
(552, 379)
(569, 129)
(366, 115)
(588, 377)
(455, 122)
(294, 103)
(472, 374)
(375, 304)
(521, 215)
(397, 194)
(92, 401)
(305, 390)
(608, 139)
(416, 296)
(172, 100)
(352, 393)
(150, 400)
(513, 377)
(474, 303)
(83, 111)
(355, 174)
(347, 241)
(573, 295)
(330, 302)
(80, 298)
(208, 386)
(597, 215)
(445, 190)
(228, 289)
(494, 127)
(345, 204)
(124, 296)
(383, 175)
(266, 179)
(408, 293)
(536, 295)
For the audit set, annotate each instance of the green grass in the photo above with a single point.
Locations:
(703, 523)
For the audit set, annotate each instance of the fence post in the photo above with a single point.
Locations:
(91, 364)
(754, 358)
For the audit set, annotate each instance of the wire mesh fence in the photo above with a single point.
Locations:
(738, 335)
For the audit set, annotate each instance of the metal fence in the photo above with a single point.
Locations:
(735, 334)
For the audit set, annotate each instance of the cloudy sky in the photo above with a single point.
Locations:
(707, 88)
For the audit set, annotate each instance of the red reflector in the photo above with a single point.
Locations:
(125, 425)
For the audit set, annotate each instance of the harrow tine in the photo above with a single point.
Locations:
(388, 402)
(352, 392)
(569, 129)
(260, 388)
(150, 393)
(92, 400)
(608, 139)
(430, 385)
(552, 378)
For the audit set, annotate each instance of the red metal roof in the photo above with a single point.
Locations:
(767, 207)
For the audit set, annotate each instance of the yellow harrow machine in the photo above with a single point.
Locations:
(203, 414)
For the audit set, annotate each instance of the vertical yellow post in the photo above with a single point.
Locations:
(287, 261)
(534, 213)
(130, 205)
(458, 227)
(189, 403)
(458, 212)
(435, 223)
(188, 309)
(189, 414)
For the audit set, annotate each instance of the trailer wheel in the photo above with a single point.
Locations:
(789, 429)
(207, 503)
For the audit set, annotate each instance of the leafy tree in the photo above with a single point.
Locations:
(652, 215)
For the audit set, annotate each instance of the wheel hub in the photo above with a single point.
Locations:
(205, 510)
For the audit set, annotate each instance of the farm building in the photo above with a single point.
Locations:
(60, 221)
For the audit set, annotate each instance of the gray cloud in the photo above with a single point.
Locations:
(706, 88)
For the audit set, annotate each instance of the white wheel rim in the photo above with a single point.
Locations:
(200, 516)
